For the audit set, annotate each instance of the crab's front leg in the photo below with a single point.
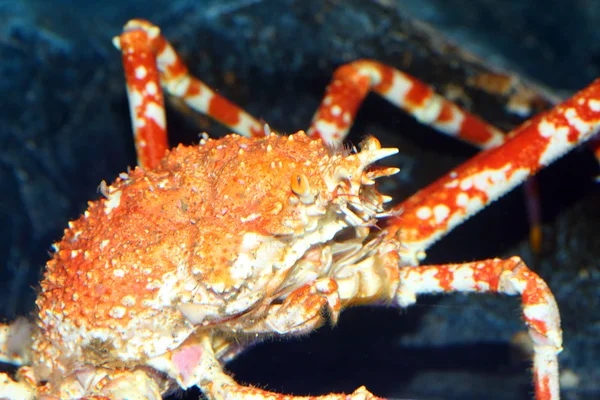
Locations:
(435, 210)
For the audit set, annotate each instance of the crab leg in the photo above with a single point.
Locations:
(150, 62)
(352, 82)
(150, 59)
(437, 209)
(208, 374)
(510, 277)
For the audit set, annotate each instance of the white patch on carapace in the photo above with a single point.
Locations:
(104, 243)
(128, 300)
(441, 212)
(119, 273)
(424, 213)
(140, 72)
(250, 217)
(112, 202)
(156, 113)
(242, 304)
(218, 287)
(117, 312)
(243, 267)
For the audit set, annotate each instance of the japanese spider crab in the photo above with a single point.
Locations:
(203, 250)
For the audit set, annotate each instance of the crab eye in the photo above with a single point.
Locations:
(300, 185)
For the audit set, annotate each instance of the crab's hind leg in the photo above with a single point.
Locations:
(150, 64)
(352, 82)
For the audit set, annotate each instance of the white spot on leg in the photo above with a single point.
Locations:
(135, 98)
(580, 125)
(441, 212)
(140, 72)
(424, 213)
(462, 199)
(327, 130)
(201, 101)
(398, 90)
(156, 113)
(558, 141)
(463, 279)
(151, 88)
(594, 105)
(165, 58)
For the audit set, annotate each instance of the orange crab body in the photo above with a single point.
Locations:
(210, 238)
(206, 249)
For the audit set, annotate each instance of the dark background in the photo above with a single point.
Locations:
(64, 127)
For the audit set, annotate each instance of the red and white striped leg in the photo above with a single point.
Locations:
(146, 102)
(435, 210)
(511, 277)
(352, 82)
(150, 63)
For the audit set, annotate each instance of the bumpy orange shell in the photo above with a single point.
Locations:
(209, 235)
